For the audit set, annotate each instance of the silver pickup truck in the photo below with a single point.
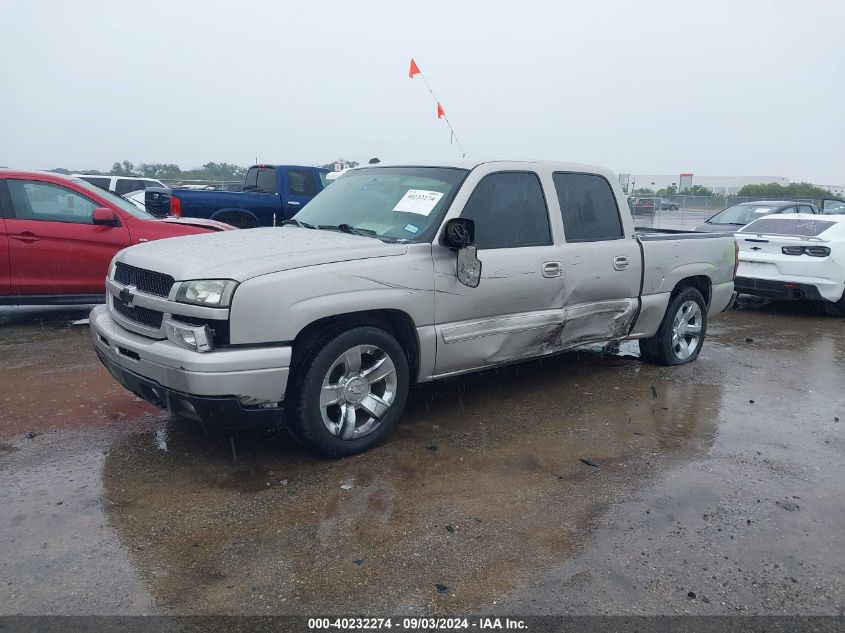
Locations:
(396, 275)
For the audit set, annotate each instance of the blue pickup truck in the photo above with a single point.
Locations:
(271, 194)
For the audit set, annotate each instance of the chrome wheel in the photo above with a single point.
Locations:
(686, 330)
(358, 391)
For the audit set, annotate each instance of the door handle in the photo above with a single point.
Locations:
(26, 236)
(552, 269)
(621, 263)
(293, 203)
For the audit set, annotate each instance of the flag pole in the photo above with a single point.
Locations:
(415, 70)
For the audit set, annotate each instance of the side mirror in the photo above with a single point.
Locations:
(459, 234)
(105, 217)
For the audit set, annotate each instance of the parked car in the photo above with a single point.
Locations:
(121, 185)
(396, 275)
(794, 256)
(833, 206)
(665, 204)
(58, 235)
(271, 195)
(645, 206)
(739, 215)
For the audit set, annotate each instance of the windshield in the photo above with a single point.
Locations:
(397, 203)
(742, 214)
(116, 201)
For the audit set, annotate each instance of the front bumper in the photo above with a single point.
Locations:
(226, 412)
(214, 384)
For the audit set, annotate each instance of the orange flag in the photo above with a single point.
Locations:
(440, 111)
(414, 69)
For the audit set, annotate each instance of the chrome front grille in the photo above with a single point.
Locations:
(147, 281)
(137, 314)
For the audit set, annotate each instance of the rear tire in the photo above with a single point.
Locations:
(681, 333)
(349, 392)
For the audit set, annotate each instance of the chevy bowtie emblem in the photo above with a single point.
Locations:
(756, 248)
(127, 296)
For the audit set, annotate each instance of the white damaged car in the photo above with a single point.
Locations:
(794, 256)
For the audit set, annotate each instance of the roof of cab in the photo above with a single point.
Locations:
(469, 163)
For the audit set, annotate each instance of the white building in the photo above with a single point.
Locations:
(836, 190)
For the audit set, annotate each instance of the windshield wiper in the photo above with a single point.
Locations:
(299, 223)
(348, 228)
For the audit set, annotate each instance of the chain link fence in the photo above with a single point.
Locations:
(717, 203)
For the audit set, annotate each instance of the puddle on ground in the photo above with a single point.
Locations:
(487, 478)
(52, 379)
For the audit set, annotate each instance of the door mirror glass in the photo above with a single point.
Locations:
(469, 266)
(105, 217)
(459, 234)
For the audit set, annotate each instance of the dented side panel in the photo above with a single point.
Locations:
(513, 313)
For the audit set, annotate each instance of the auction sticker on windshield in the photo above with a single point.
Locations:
(418, 201)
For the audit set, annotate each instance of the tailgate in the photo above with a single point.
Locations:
(157, 200)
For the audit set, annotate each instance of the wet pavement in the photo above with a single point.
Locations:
(586, 483)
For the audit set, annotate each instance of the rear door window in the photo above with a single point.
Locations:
(102, 183)
(588, 207)
(301, 183)
(5, 201)
(509, 210)
(127, 185)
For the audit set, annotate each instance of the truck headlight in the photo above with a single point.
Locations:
(214, 293)
(112, 264)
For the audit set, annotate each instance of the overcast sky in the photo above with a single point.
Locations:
(739, 87)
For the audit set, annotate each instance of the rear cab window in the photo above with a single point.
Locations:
(588, 207)
(261, 180)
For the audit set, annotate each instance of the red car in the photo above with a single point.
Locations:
(58, 235)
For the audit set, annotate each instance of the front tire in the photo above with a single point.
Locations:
(349, 393)
(681, 333)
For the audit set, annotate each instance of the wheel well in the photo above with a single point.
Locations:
(398, 323)
(699, 282)
(248, 214)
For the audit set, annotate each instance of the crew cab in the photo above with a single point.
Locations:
(271, 194)
(58, 235)
(796, 256)
(397, 275)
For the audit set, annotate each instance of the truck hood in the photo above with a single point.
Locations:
(241, 255)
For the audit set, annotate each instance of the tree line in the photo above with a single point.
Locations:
(771, 190)
(171, 171)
